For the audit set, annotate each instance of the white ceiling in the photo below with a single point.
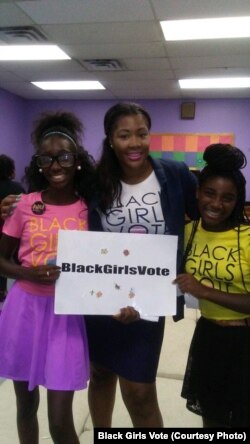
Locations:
(129, 32)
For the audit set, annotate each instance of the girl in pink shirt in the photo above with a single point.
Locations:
(38, 347)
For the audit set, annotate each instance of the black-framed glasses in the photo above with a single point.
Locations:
(64, 159)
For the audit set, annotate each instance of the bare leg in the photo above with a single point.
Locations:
(3, 289)
(141, 402)
(27, 405)
(101, 395)
(61, 424)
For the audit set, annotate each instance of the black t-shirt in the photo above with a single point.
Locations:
(9, 187)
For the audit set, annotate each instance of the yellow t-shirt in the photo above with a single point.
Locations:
(214, 261)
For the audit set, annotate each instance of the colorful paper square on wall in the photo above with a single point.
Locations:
(186, 147)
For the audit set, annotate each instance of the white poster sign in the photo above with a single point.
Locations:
(103, 272)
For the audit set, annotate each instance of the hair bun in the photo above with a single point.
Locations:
(224, 157)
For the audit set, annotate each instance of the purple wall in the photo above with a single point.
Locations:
(13, 130)
(210, 116)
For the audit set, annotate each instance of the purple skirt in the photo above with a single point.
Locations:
(40, 347)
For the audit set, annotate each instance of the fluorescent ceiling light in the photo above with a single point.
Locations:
(32, 52)
(227, 82)
(69, 85)
(212, 28)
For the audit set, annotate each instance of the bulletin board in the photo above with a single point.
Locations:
(186, 147)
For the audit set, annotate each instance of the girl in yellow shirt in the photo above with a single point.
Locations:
(216, 383)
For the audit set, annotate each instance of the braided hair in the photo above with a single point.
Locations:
(225, 160)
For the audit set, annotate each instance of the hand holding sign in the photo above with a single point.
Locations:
(104, 272)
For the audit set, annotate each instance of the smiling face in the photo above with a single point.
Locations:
(58, 176)
(217, 198)
(130, 141)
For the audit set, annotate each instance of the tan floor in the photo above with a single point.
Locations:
(169, 381)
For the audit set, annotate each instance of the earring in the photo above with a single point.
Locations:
(40, 170)
(79, 167)
(110, 144)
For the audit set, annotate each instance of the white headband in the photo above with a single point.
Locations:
(60, 133)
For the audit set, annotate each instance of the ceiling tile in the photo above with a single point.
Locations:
(94, 33)
(11, 15)
(187, 9)
(85, 11)
(115, 50)
(127, 31)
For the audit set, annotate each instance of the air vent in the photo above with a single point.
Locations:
(21, 34)
(102, 65)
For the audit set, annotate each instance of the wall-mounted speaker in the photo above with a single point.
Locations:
(187, 110)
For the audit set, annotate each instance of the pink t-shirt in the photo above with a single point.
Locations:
(38, 233)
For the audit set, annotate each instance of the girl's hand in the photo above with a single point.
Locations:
(127, 315)
(43, 274)
(8, 205)
(188, 284)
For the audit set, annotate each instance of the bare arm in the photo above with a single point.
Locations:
(235, 301)
(44, 274)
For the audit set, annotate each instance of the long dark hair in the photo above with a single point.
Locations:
(7, 167)
(67, 124)
(108, 169)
